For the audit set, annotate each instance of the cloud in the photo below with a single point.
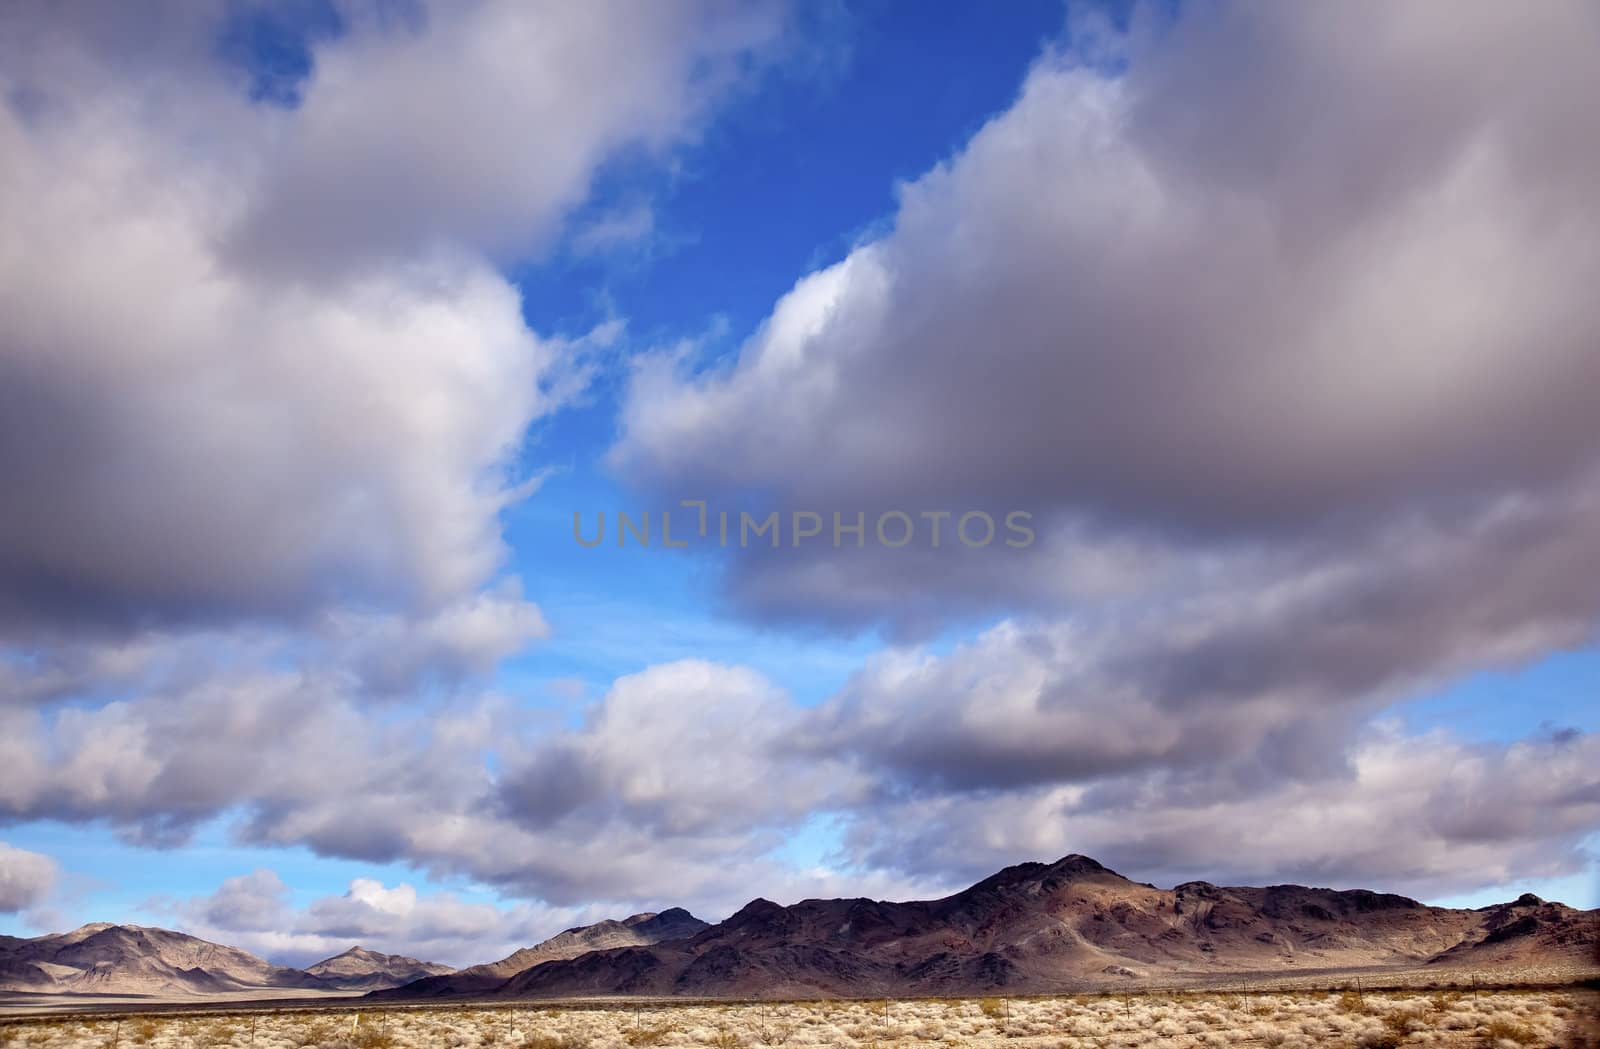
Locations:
(1301, 409)
(256, 361)
(1232, 657)
(253, 911)
(615, 230)
(275, 741)
(1295, 404)
(688, 784)
(1428, 815)
(254, 902)
(26, 879)
(682, 748)
(639, 806)
(1171, 317)
(485, 122)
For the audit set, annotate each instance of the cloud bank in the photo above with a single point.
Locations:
(1279, 319)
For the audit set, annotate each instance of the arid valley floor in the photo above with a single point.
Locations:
(1503, 1019)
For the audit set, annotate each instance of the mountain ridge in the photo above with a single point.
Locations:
(1045, 927)
(635, 930)
(111, 959)
(360, 969)
(1028, 928)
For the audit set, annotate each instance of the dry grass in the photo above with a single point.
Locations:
(1176, 1020)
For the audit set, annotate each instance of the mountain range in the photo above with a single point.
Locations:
(105, 959)
(359, 969)
(638, 930)
(127, 960)
(1031, 928)
(1072, 924)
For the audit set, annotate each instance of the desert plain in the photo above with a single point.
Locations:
(1562, 1017)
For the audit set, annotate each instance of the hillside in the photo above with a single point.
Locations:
(134, 960)
(634, 931)
(359, 969)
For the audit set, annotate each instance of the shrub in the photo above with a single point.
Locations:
(648, 1035)
(541, 1040)
(1522, 1034)
(1378, 1038)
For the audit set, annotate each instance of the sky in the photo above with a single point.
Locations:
(1175, 420)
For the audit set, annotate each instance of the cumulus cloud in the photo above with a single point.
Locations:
(1427, 815)
(254, 911)
(1278, 322)
(684, 784)
(26, 878)
(675, 790)
(1301, 407)
(484, 122)
(683, 748)
(1172, 308)
(255, 362)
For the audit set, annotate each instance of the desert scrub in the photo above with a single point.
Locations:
(1503, 1030)
(1352, 1002)
(1377, 1038)
(725, 1038)
(371, 1038)
(647, 1034)
(544, 1040)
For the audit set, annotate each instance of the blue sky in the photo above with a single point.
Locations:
(1307, 555)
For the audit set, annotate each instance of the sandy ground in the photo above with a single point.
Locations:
(1498, 1019)
(17, 1003)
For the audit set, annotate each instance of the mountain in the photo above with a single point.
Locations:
(1047, 927)
(359, 969)
(1032, 928)
(131, 959)
(1525, 932)
(634, 931)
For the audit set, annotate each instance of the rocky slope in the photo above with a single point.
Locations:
(359, 969)
(634, 931)
(134, 960)
(1074, 923)
(1525, 932)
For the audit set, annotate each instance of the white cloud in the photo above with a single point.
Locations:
(255, 361)
(487, 124)
(1164, 311)
(1426, 815)
(1304, 408)
(253, 911)
(26, 879)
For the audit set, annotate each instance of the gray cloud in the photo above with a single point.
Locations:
(188, 435)
(683, 782)
(1301, 405)
(1281, 331)
(26, 879)
(644, 804)
(1426, 815)
(483, 123)
(682, 748)
(1292, 276)
(253, 911)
